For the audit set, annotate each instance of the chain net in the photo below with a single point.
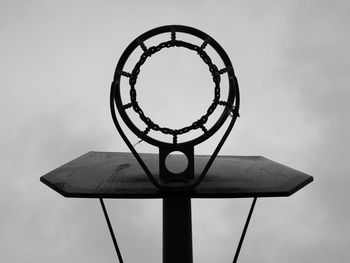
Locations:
(148, 52)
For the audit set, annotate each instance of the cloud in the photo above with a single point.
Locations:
(292, 64)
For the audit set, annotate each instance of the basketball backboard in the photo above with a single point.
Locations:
(119, 175)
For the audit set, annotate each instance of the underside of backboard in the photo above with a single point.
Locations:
(119, 175)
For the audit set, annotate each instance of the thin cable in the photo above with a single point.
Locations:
(244, 230)
(111, 231)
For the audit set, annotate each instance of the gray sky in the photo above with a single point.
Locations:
(57, 62)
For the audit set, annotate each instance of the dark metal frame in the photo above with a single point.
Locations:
(184, 181)
(177, 228)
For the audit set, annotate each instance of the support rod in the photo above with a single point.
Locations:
(244, 230)
(111, 231)
(177, 230)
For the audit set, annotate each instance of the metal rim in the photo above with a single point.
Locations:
(231, 105)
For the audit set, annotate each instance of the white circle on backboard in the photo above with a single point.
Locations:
(176, 162)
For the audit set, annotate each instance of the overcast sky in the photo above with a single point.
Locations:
(57, 60)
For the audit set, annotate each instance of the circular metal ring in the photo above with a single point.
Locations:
(232, 103)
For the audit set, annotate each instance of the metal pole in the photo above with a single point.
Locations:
(111, 231)
(177, 230)
(244, 230)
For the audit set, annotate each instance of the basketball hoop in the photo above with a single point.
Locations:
(174, 178)
(185, 180)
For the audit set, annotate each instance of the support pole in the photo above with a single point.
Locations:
(244, 230)
(177, 230)
(111, 231)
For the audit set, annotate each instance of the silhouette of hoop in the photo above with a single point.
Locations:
(230, 107)
(169, 181)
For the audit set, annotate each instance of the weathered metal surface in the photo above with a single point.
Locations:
(119, 175)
